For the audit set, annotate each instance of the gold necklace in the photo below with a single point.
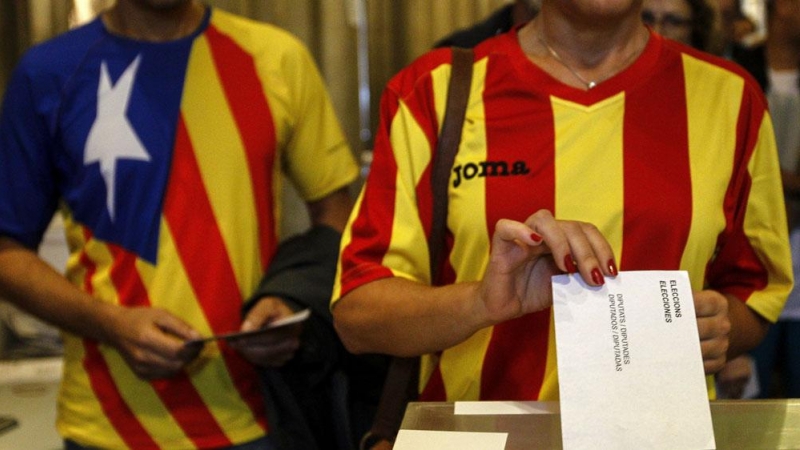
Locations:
(588, 83)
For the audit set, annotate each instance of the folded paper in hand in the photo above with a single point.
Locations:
(273, 326)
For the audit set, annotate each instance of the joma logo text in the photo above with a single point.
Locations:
(483, 169)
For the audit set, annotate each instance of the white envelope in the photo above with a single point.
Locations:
(629, 363)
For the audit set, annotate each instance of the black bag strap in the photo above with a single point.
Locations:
(402, 377)
(449, 140)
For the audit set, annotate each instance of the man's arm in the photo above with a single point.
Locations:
(34, 286)
(150, 340)
(333, 210)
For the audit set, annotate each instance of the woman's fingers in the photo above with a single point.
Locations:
(576, 246)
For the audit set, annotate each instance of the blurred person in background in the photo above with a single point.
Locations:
(735, 27)
(778, 357)
(692, 22)
(502, 20)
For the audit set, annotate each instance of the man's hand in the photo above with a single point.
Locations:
(151, 340)
(273, 349)
(714, 326)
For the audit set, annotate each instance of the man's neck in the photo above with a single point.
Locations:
(133, 20)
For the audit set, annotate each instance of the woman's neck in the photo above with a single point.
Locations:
(583, 55)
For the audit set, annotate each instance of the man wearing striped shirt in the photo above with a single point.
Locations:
(161, 131)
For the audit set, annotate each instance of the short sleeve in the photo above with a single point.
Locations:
(317, 158)
(28, 195)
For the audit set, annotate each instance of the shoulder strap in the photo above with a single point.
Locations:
(449, 140)
(402, 377)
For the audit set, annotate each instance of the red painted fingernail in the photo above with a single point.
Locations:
(570, 263)
(612, 267)
(535, 237)
(597, 277)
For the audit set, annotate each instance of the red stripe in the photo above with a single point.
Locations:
(248, 104)
(516, 359)
(657, 189)
(125, 423)
(372, 227)
(423, 108)
(199, 243)
(198, 239)
(177, 393)
(737, 267)
(434, 390)
(114, 406)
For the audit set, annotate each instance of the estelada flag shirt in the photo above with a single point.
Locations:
(673, 159)
(166, 160)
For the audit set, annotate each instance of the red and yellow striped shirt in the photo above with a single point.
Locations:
(673, 159)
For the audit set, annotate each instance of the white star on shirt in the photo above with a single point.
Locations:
(112, 137)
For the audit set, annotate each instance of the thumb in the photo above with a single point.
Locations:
(265, 310)
(171, 324)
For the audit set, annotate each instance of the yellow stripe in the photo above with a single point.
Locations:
(711, 387)
(208, 372)
(75, 382)
(589, 164)
(295, 92)
(711, 148)
(764, 222)
(172, 292)
(347, 237)
(256, 38)
(588, 182)
(407, 254)
(461, 366)
(139, 396)
(549, 389)
(226, 177)
(75, 271)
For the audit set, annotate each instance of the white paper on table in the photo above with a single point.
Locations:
(449, 440)
(629, 363)
(504, 408)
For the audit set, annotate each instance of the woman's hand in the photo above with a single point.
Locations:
(525, 256)
(713, 326)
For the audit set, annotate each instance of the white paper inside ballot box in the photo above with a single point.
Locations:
(629, 363)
